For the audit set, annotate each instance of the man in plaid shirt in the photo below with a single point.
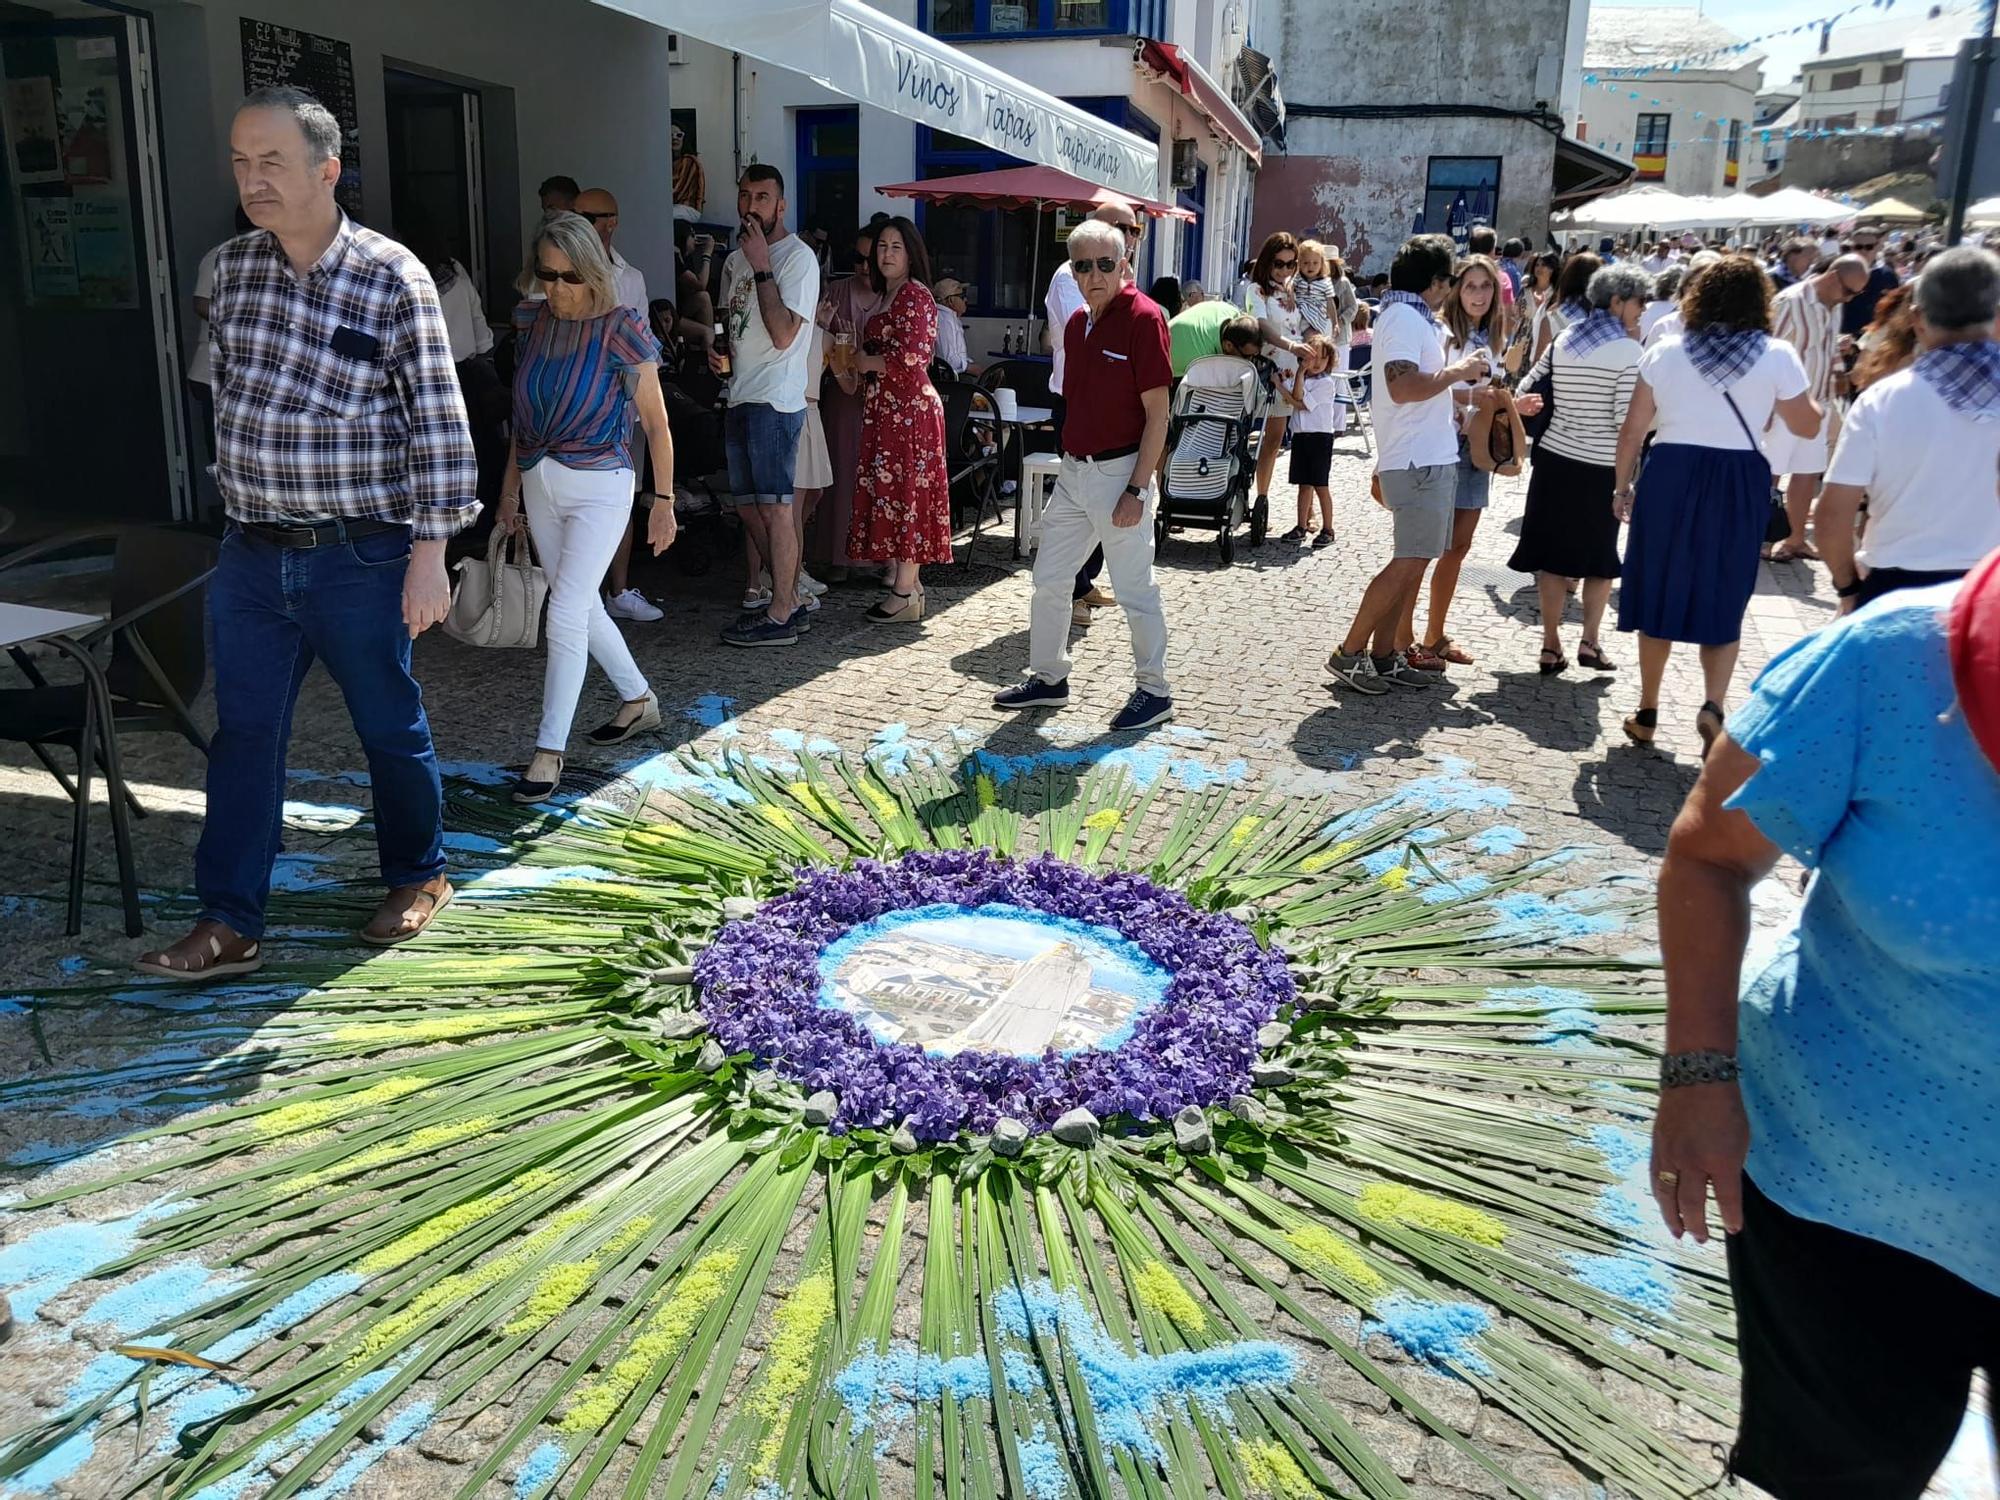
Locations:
(343, 456)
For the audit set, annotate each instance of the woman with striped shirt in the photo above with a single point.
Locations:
(1569, 530)
(582, 358)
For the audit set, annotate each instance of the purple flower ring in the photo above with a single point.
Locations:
(763, 988)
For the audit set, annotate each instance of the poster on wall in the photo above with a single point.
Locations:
(51, 244)
(324, 67)
(34, 150)
(101, 231)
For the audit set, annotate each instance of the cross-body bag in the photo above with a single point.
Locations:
(1777, 524)
(498, 598)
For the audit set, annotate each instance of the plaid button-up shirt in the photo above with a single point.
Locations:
(335, 393)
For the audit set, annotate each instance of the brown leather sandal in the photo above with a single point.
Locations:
(211, 950)
(406, 911)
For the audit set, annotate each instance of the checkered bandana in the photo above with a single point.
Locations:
(1967, 376)
(1575, 310)
(1724, 358)
(1594, 332)
(1410, 299)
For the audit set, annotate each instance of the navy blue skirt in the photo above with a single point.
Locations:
(1691, 556)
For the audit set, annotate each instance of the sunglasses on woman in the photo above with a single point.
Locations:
(567, 278)
(1286, 265)
(1105, 263)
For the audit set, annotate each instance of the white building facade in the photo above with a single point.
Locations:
(1672, 93)
(1884, 73)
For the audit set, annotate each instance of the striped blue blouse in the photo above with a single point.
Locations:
(570, 401)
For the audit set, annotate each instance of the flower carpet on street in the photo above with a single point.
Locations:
(687, 1156)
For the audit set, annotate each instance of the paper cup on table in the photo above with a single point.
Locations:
(1008, 404)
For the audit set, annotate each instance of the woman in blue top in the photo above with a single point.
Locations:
(1856, 1160)
(583, 360)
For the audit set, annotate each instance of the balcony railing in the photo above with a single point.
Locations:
(997, 20)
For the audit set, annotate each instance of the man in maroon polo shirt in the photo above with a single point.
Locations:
(1115, 377)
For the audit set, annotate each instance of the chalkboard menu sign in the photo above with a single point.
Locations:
(324, 68)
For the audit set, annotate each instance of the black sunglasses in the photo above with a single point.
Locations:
(1104, 263)
(1130, 228)
(1286, 265)
(584, 213)
(567, 278)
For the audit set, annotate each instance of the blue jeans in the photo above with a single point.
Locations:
(273, 610)
(761, 444)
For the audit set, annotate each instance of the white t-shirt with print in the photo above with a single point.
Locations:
(1693, 412)
(759, 371)
(1413, 434)
(1928, 471)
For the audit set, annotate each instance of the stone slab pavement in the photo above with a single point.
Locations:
(1253, 708)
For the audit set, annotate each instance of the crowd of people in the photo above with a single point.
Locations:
(1710, 406)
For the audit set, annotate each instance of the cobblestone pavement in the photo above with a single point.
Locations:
(1252, 707)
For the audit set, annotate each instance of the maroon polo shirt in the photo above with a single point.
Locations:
(1107, 366)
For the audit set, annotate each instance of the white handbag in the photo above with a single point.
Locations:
(498, 599)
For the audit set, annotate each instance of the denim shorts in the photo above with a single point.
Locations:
(1474, 485)
(763, 451)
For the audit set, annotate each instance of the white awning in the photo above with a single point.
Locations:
(876, 60)
(1638, 208)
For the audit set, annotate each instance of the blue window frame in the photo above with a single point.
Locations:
(963, 242)
(1196, 202)
(1004, 18)
(825, 190)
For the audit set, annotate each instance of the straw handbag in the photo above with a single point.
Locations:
(497, 600)
(1497, 438)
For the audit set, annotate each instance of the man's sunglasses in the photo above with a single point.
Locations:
(584, 213)
(567, 278)
(1131, 229)
(1105, 263)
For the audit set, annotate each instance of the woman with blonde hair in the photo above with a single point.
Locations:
(1474, 318)
(585, 363)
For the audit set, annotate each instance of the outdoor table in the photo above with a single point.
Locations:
(27, 624)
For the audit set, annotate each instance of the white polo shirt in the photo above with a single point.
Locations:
(1411, 434)
(1929, 476)
(1064, 298)
(631, 284)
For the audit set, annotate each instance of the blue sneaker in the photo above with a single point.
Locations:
(1143, 710)
(762, 630)
(1034, 693)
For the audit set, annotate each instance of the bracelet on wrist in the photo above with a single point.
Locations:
(1685, 1069)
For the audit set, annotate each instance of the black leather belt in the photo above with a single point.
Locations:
(1109, 453)
(317, 533)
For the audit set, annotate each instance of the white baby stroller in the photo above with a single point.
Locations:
(1221, 402)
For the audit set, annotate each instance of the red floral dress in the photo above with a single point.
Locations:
(902, 492)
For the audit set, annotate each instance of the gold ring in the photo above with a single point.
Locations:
(1667, 1179)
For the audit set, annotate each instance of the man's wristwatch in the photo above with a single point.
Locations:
(1682, 1069)
(760, 275)
(1133, 489)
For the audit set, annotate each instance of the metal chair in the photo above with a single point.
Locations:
(972, 439)
(157, 637)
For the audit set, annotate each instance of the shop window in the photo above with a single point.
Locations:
(827, 189)
(977, 18)
(1475, 178)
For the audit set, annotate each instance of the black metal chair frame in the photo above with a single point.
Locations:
(100, 703)
(979, 468)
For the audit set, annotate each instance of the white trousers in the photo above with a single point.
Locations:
(577, 517)
(1078, 519)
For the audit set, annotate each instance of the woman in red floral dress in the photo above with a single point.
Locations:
(902, 494)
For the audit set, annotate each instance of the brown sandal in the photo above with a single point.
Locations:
(1449, 650)
(392, 923)
(211, 950)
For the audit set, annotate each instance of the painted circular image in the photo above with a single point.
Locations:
(993, 978)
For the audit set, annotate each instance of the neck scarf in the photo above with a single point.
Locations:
(1724, 356)
(1973, 633)
(1575, 310)
(1594, 332)
(1967, 376)
(1410, 299)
